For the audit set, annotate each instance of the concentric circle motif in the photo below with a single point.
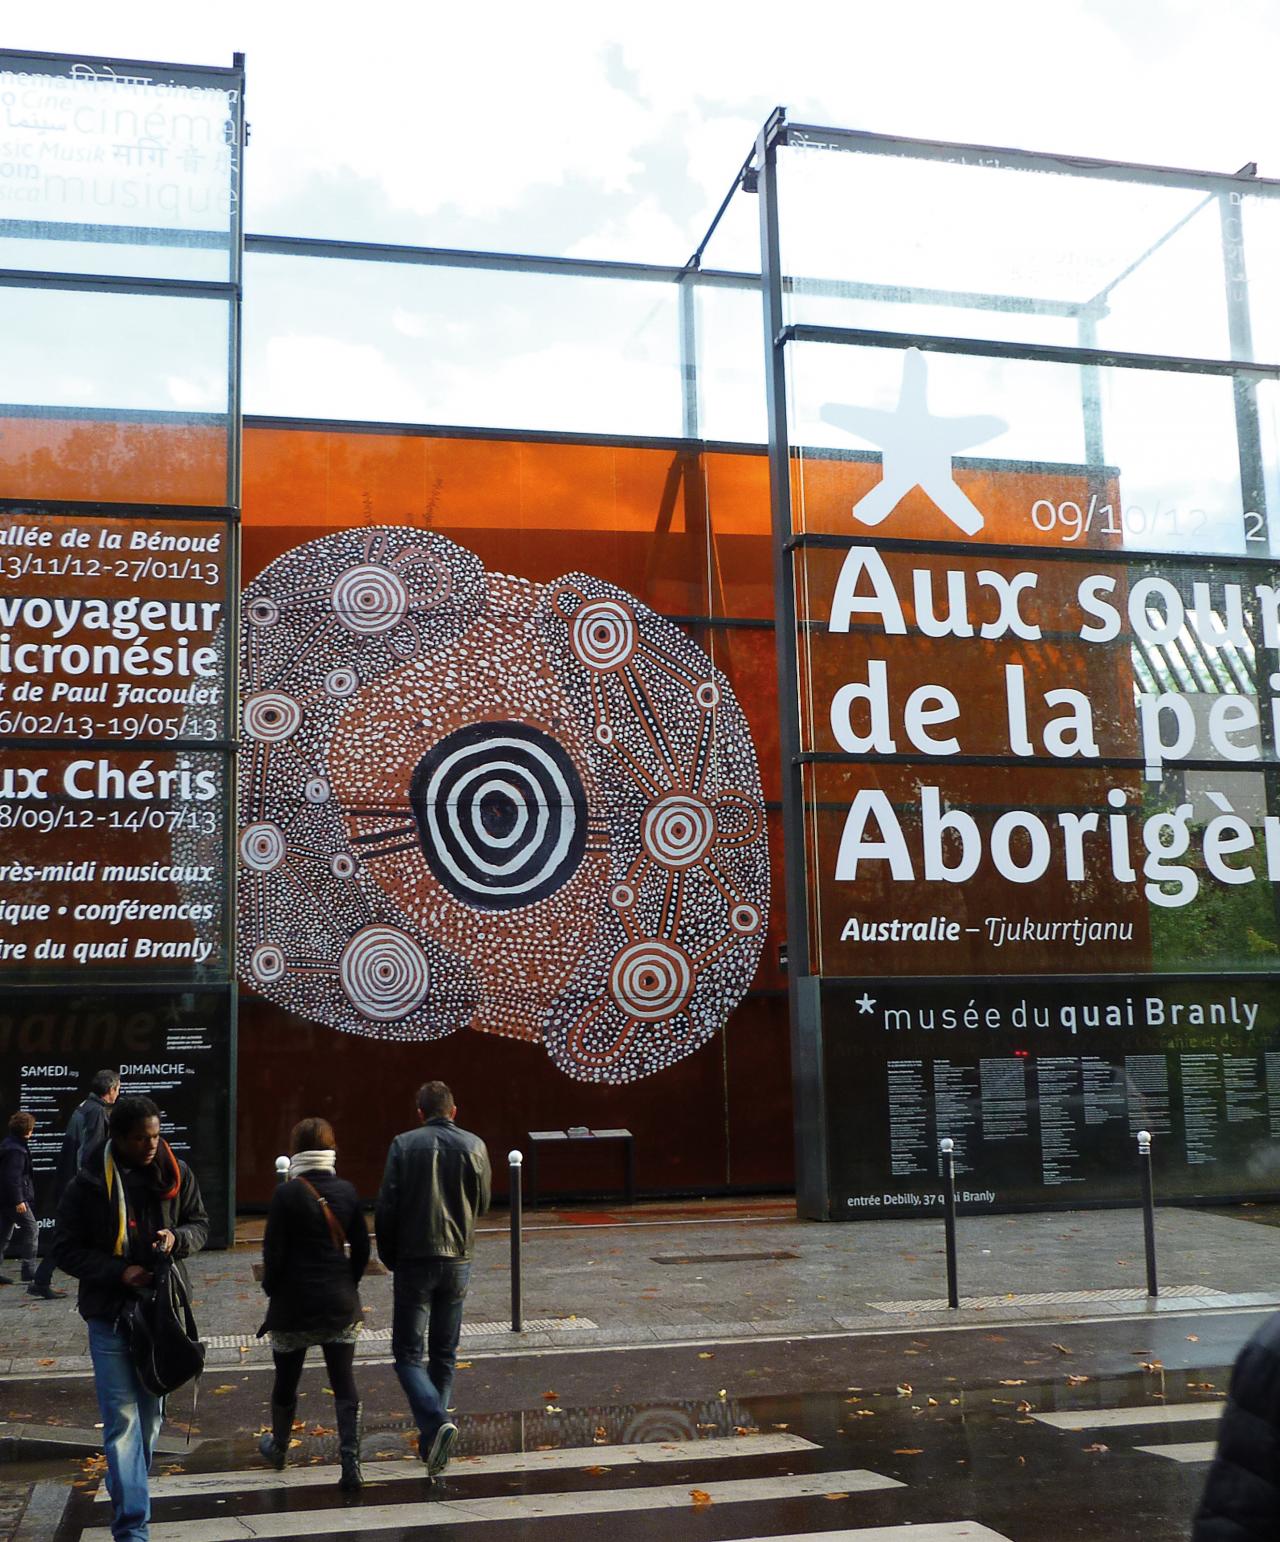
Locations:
(384, 973)
(501, 813)
(603, 634)
(342, 864)
(271, 717)
(651, 980)
(370, 600)
(604, 733)
(622, 896)
(262, 846)
(317, 790)
(263, 611)
(707, 694)
(677, 830)
(342, 682)
(267, 963)
(745, 919)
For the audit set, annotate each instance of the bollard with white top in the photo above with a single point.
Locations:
(948, 1149)
(515, 1160)
(1148, 1210)
(282, 1169)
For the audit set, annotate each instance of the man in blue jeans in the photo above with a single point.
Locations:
(131, 1200)
(437, 1182)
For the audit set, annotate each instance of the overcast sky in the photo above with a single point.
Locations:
(614, 130)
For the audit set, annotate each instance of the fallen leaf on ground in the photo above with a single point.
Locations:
(1025, 1407)
(554, 1408)
(1193, 1338)
(1062, 1349)
(1015, 1381)
(836, 1496)
(1097, 1446)
(904, 1389)
(705, 1354)
(745, 1429)
(909, 1451)
(1074, 1380)
(1153, 1365)
(596, 1471)
(222, 1391)
(550, 1397)
(699, 1497)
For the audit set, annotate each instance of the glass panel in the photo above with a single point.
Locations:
(92, 349)
(731, 388)
(1009, 450)
(120, 169)
(395, 343)
(1039, 247)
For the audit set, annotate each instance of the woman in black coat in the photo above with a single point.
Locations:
(314, 1252)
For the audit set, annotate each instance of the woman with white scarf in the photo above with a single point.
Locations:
(314, 1253)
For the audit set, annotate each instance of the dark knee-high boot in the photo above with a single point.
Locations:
(349, 1422)
(274, 1445)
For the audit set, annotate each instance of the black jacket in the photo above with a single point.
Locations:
(1242, 1493)
(86, 1129)
(17, 1180)
(435, 1185)
(162, 1196)
(312, 1286)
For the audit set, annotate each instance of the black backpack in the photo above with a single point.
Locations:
(160, 1328)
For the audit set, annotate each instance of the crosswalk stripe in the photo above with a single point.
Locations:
(1115, 1418)
(1184, 1451)
(252, 1480)
(927, 1531)
(518, 1507)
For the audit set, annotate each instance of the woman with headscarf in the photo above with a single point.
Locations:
(314, 1252)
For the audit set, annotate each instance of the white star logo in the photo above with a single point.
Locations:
(864, 1003)
(916, 449)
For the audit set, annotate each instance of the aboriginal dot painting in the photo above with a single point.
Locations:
(472, 801)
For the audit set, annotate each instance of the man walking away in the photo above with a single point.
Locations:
(130, 1201)
(18, 1206)
(87, 1126)
(437, 1182)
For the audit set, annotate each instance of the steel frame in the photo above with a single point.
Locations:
(1244, 371)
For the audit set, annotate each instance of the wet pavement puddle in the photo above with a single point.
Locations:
(1034, 1458)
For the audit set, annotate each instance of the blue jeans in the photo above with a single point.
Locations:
(428, 1296)
(131, 1419)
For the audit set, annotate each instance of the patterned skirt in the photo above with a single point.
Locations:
(286, 1342)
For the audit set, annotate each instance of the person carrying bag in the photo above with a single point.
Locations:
(314, 1254)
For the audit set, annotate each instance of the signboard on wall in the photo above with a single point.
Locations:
(1042, 837)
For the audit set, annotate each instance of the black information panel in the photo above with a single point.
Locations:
(173, 1047)
(1043, 1089)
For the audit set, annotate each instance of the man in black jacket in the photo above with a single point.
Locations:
(436, 1184)
(1241, 1500)
(131, 1200)
(87, 1127)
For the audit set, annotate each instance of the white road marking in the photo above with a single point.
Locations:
(517, 1507)
(1116, 1418)
(257, 1479)
(1186, 1451)
(930, 1531)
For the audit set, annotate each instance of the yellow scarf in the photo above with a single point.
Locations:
(116, 1182)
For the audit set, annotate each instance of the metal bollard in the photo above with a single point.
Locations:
(282, 1169)
(1148, 1210)
(516, 1159)
(948, 1147)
